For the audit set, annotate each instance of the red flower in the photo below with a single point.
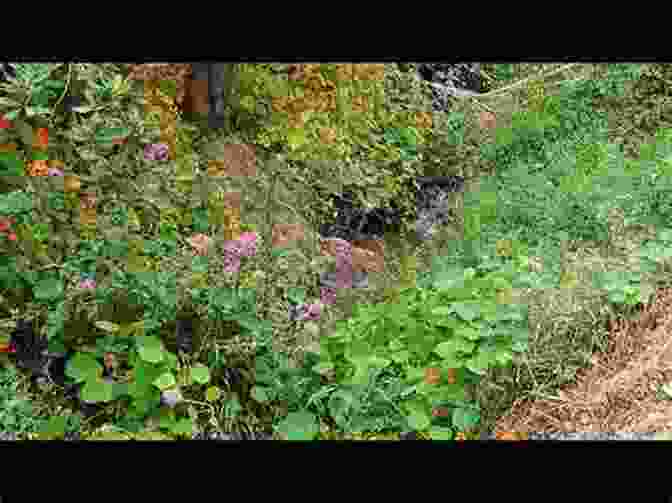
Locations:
(5, 124)
(11, 236)
(4, 225)
(7, 348)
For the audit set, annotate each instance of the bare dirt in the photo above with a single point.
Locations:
(620, 391)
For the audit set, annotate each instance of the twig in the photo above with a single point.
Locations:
(67, 86)
(524, 81)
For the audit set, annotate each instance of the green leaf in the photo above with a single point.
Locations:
(49, 289)
(150, 349)
(468, 311)
(151, 354)
(465, 419)
(200, 373)
(107, 135)
(279, 252)
(83, 367)
(10, 116)
(479, 363)
(299, 426)
(212, 394)
(11, 164)
(167, 418)
(260, 394)
(441, 433)
(418, 419)
(667, 389)
(296, 137)
(55, 426)
(165, 381)
(296, 295)
(184, 426)
(39, 155)
(97, 391)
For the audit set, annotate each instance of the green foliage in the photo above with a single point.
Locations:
(17, 414)
(456, 325)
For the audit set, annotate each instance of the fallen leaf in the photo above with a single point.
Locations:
(8, 147)
(433, 375)
(41, 139)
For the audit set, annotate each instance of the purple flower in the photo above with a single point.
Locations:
(231, 263)
(54, 172)
(87, 284)
(327, 296)
(156, 152)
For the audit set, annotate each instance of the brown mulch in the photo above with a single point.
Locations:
(619, 392)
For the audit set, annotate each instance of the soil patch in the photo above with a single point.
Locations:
(620, 391)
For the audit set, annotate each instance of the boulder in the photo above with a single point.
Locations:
(451, 79)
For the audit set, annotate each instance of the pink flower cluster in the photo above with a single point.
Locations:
(156, 152)
(245, 246)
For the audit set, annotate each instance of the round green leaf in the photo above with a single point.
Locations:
(97, 391)
(165, 381)
(83, 367)
(150, 354)
(48, 289)
(200, 373)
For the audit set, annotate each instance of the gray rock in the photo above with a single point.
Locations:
(451, 78)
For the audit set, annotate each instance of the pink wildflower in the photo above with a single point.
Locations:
(327, 296)
(87, 284)
(156, 152)
(231, 263)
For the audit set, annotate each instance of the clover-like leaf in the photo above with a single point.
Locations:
(200, 373)
(260, 394)
(150, 349)
(165, 381)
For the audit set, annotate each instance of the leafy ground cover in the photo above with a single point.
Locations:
(174, 268)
